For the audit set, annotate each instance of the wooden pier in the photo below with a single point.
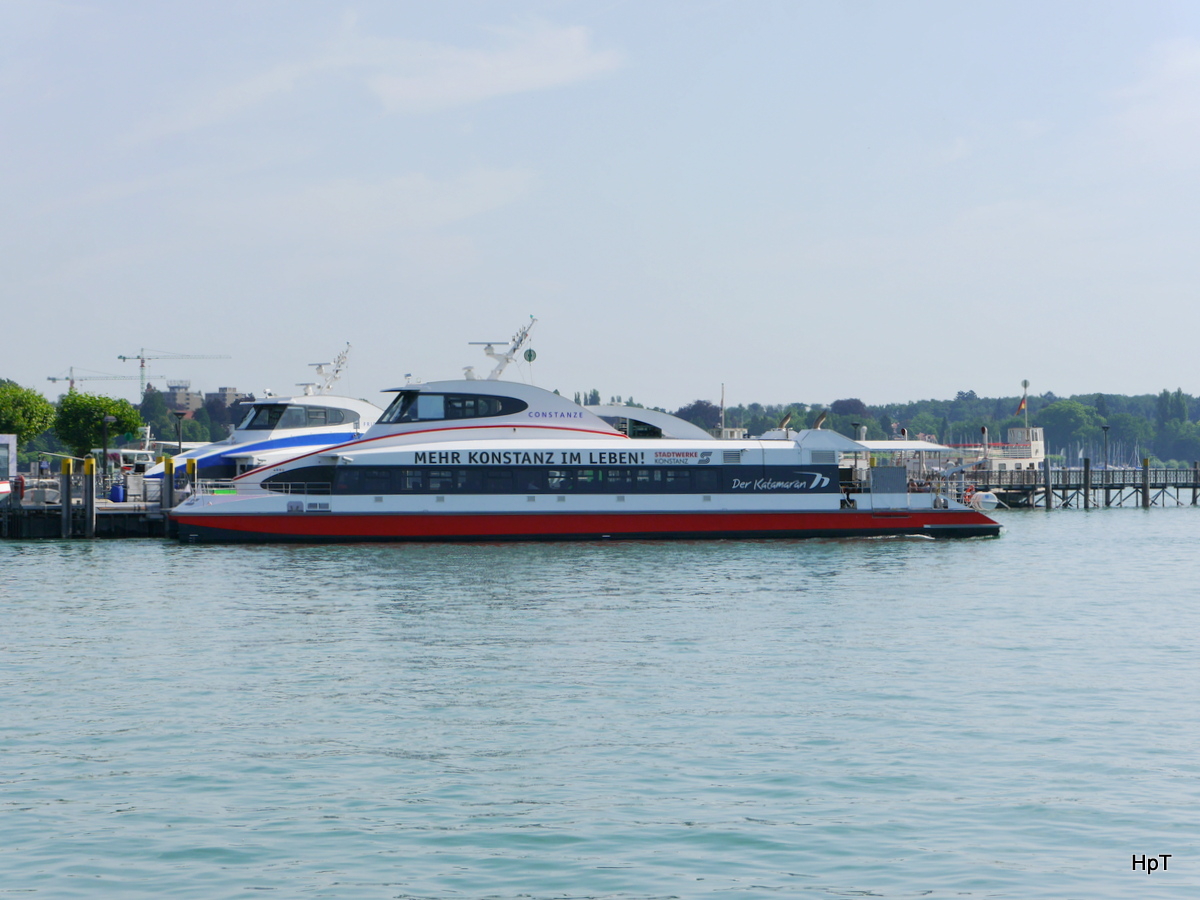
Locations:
(1085, 487)
(73, 506)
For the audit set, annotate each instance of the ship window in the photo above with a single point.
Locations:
(531, 479)
(587, 479)
(293, 417)
(316, 417)
(398, 410)
(469, 481)
(706, 480)
(618, 480)
(411, 480)
(678, 479)
(376, 480)
(263, 418)
(431, 406)
(560, 479)
(308, 479)
(441, 480)
(414, 406)
(499, 481)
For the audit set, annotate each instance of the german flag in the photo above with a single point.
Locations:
(1020, 408)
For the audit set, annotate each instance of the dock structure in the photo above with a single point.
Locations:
(74, 505)
(1086, 487)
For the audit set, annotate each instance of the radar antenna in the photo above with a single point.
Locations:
(502, 359)
(329, 372)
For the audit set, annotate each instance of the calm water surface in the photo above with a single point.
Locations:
(883, 718)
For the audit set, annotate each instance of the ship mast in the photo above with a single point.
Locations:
(504, 358)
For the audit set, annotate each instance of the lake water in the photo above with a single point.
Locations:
(1012, 717)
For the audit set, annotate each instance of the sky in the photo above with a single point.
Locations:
(801, 201)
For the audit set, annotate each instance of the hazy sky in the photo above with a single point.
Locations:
(805, 201)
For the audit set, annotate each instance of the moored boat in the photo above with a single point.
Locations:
(274, 429)
(495, 460)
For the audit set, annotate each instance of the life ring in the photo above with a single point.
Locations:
(968, 492)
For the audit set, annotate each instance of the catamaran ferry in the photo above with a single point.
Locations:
(485, 459)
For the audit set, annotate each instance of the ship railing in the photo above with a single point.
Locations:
(241, 489)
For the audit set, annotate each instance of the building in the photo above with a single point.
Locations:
(227, 395)
(179, 395)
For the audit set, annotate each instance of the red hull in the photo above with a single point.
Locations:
(314, 527)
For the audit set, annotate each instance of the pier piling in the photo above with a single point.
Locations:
(64, 496)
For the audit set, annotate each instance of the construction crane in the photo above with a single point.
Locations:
(162, 354)
(71, 378)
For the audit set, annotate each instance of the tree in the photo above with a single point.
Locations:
(155, 414)
(1127, 431)
(1068, 421)
(702, 413)
(24, 412)
(80, 420)
(1178, 407)
(1178, 439)
(965, 395)
(923, 423)
(849, 407)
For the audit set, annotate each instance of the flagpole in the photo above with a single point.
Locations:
(1025, 404)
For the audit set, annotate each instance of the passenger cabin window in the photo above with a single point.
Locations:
(415, 406)
(279, 415)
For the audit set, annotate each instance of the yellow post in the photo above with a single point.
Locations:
(89, 466)
(167, 497)
(68, 467)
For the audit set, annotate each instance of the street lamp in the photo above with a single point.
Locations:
(1105, 430)
(105, 422)
(179, 414)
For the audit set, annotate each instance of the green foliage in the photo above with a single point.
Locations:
(1179, 440)
(1127, 428)
(23, 412)
(154, 413)
(80, 420)
(1073, 424)
(923, 423)
(1068, 421)
(702, 413)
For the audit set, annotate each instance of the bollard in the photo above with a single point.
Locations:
(166, 497)
(64, 497)
(89, 498)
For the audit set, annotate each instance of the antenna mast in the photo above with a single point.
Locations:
(502, 359)
(329, 372)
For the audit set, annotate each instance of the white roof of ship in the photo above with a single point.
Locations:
(905, 446)
(671, 426)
